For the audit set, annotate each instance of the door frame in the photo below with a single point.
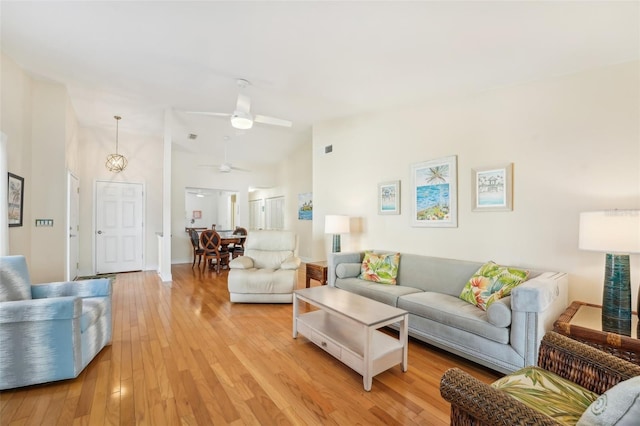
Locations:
(94, 225)
(70, 195)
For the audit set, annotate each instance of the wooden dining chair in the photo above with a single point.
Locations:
(238, 248)
(210, 241)
(195, 243)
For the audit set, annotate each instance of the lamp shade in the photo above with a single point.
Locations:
(336, 224)
(610, 231)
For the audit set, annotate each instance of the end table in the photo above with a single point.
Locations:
(316, 271)
(583, 322)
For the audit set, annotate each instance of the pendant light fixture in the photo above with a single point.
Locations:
(116, 162)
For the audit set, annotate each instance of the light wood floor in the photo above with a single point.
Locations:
(184, 355)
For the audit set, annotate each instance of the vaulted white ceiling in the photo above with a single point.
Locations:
(307, 61)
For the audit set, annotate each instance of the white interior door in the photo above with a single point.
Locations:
(119, 227)
(73, 222)
(274, 209)
(256, 210)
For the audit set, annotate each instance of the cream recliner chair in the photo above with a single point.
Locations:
(267, 273)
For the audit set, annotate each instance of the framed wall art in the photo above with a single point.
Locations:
(305, 206)
(435, 193)
(15, 198)
(389, 197)
(492, 188)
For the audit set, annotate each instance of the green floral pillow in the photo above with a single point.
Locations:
(558, 398)
(380, 268)
(490, 283)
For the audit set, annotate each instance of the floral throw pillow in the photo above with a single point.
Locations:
(490, 283)
(380, 268)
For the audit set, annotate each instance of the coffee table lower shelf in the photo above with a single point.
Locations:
(344, 341)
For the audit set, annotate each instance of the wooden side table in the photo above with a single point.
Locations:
(583, 322)
(316, 271)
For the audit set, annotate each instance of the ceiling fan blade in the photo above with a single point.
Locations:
(214, 114)
(239, 169)
(272, 120)
(244, 103)
(209, 166)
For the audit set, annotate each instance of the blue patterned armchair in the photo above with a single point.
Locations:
(51, 331)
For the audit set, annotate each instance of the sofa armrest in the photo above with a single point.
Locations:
(486, 404)
(587, 366)
(337, 258)
(291, 263)
(56, 308)
(537, 294)
(96, 287)
(241, 262)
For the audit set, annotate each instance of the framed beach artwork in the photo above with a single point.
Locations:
(305, 206)
(435, 193)
(15, 198)
(492, 188)
(389, 197)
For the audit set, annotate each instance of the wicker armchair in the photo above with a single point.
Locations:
(476, 403)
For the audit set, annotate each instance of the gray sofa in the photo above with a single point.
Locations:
(504, 338)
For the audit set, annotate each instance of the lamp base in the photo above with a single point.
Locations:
(616, 296)
(336, 243)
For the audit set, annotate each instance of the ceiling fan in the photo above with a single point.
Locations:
(225, 167)
(242, 118)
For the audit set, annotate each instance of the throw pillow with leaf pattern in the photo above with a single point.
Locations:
(380, 268)
(490, 283)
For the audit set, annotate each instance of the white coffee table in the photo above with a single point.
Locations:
(346, 325)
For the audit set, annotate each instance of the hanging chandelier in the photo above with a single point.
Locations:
(116, 162)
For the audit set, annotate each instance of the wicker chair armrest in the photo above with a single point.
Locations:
(589, 367)
(487, 404)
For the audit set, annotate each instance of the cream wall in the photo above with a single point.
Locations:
(15, 122)
(575, 145)
(48, 180)
(40, 127)
(294, 176)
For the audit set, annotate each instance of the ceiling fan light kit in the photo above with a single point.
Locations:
(241, 120)
(116, 162)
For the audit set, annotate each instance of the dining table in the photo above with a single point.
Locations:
(228, 237)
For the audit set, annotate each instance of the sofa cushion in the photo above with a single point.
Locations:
(499, 312)
(384, 293)
(14, 279)
(490, 283)
(619, 406)
(548, 393)
(263, 259)
(380, 268)
(453, 312)
(348, 270)
(436, 274)
(261, 281)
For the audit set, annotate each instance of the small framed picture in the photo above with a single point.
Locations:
(197, 214)
(492, 188)
(389, 197)
(15, 198)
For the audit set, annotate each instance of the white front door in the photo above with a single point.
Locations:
(119, 227)
(73, 222)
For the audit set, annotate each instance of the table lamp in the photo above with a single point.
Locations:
(336, 225)
(616, 233)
